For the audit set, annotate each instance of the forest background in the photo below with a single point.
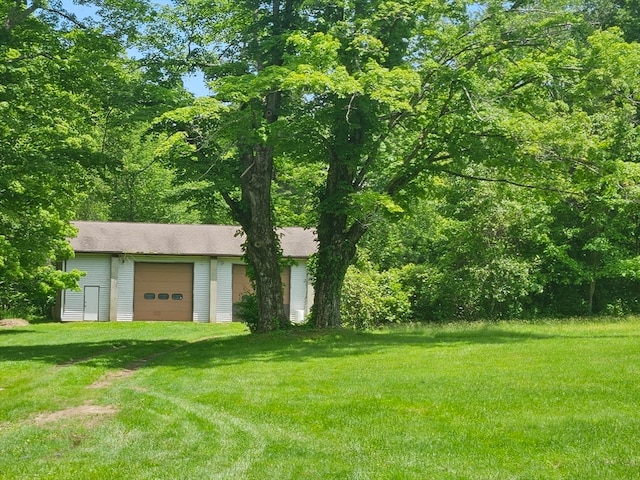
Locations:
(458, 160)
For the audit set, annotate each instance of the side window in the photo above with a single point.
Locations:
(177, 296)
(163, 296)
(149, 296)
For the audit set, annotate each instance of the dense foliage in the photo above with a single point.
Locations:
(475, 250)
(70, 106)
(47, 141)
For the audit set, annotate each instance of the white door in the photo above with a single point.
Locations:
(91, 303)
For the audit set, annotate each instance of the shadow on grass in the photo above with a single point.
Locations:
(304, 345)
(7, 331)
(110, 354)
(293, 345)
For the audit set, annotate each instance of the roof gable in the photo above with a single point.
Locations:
(179, 239)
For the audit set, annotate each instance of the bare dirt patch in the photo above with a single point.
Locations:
(107, 379)
(91, 414)
(13, 322)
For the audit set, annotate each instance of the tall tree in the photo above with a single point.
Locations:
(45, 140)
(383, 93)
(248, 43)
(396, 90)
(598, 229)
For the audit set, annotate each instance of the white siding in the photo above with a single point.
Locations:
(98, 268)
(224, 308)
(213, 290)
(201, 269)
(125, 290)
(298, 292)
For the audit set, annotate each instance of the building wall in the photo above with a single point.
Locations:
(300, 291)
(98, 268)
(201, 268)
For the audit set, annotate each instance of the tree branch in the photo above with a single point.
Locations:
(410, 173)
(68, 16)
(18, 14)
(505, 181)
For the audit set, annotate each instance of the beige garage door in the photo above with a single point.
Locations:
(241, 286)
(163, 291)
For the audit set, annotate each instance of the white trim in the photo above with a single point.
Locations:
(224, 304)
(298, 293)
(113, 295)
(125, 289)
(201, 290)
(213, 290)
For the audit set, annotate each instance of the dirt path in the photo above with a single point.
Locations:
(108, 378)
(92, 414)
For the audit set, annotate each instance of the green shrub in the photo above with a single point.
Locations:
(371, 298)
(248, 311)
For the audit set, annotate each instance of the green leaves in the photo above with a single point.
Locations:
(394, 88)
(69, 106)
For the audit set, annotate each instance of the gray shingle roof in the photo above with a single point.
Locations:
(173, 239)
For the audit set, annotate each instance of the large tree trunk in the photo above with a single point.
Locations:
(333, 261)
(262, 246)
(337, 241)
(336, 251)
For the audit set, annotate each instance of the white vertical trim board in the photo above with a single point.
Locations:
(213, 289)
(298, 293)
(224, 307)
(113, 288)
(201, 269)
(98, 274)
(125, 289)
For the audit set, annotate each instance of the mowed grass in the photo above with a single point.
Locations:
(545, 400)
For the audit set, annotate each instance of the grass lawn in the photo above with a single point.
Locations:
(545, 400)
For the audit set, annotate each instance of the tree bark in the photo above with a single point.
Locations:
(19, 13)
(337, 241)
(262, 246)
(337, 249)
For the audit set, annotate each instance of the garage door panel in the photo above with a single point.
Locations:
(163, 291)
(241, 286)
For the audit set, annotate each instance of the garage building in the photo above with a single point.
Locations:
(143, 271)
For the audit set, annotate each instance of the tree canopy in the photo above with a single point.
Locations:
(373, 104)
